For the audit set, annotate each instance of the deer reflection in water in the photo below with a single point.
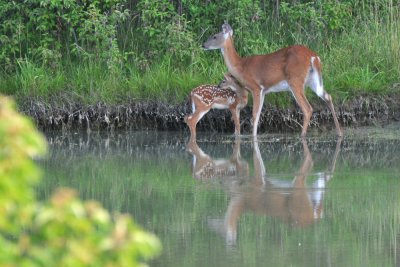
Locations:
(206, 168)
(294, 202)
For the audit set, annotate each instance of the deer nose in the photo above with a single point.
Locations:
(206, 47)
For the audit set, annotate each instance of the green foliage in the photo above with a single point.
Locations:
(48, 30)
(154, 16)
(124, 47)
(166, 32)
(312, 21)
(64, 231)
(18, 143)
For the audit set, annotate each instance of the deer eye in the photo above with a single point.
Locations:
(214, 37)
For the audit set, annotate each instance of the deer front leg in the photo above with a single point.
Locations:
(259, 167)
(236, 119)
(258, 101)
(232, 216)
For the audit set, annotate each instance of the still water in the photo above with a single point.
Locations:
(279, 201)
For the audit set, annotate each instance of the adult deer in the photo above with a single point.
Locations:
(227, 95)
(293, 202)
(288, 69)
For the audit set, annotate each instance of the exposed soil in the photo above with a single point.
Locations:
(63, 113)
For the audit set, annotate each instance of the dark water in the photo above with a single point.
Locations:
(280, 201)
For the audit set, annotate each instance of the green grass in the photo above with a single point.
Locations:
(363, 60)
(166, 82)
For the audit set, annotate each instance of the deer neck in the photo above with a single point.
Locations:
(232, 59)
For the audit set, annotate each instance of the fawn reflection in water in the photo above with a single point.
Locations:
(294, 202)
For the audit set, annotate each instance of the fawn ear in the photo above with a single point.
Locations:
(227, 29)
(227, 76)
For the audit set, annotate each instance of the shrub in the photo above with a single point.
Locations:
(63, 231)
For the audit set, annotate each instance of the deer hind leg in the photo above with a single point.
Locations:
(298, 93)
(316, 85)
(193, 120)
(199, 110)
(328, 100)
(300, 179)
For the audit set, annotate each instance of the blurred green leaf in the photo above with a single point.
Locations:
(63, 231)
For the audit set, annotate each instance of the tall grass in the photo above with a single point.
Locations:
(362, 59)
(166, 82)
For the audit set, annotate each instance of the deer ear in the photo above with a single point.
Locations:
(227, 76)
(227, 29)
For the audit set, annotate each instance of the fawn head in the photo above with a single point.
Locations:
(217, 40)
(229, 82)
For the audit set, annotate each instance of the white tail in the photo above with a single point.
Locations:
(288, 69)
(227, 95)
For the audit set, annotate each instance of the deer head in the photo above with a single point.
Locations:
(217, 41)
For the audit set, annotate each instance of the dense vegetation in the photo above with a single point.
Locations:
(114, 49)
(63, 231)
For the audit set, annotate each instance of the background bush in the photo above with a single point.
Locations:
(127, 41)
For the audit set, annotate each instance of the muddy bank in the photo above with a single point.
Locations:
(64, 113)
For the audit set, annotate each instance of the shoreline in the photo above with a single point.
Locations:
(62, 113)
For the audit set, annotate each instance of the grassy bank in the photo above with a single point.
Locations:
(158, 56)
(362, 61)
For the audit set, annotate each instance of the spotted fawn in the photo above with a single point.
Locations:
(229, 94)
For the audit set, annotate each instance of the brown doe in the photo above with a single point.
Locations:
(227, 95)
(295, 202)
(288, 69)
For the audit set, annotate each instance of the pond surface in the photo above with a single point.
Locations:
(280, 201)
